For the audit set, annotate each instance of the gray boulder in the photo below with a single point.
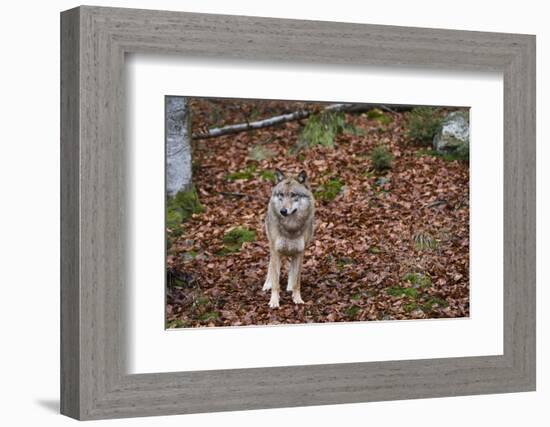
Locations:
(454, 135)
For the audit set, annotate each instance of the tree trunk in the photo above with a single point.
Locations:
(178, 145)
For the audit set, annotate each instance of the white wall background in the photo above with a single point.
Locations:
(29, 212)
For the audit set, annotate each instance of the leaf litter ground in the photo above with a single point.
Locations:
(386, 247)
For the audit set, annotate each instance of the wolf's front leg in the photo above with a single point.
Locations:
(294, 273)
(272, 280)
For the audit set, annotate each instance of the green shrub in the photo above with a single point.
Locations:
(246, 173)
(329, 189)
(422, 124)
(322, 128)
(381, 158)
(423, 241)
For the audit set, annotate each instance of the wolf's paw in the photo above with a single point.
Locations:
(297, 298)
(267, 285)
(274, 301)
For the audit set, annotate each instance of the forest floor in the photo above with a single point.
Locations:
(386, 246)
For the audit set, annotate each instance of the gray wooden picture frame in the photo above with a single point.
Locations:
(94, 41)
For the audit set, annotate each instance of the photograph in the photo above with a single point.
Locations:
(295, 212)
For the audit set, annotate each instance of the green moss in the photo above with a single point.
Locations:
(247, 173)
(268, 175)
(233, 239)
(212, 315)
(352, 311)
(397, 291)
(462, 154)
(411, 306)
(342, 262)
(176, 323)
(356, 297)
(434, 302)
(329, 189)
(422, 124)
(181, 206)
(379, 116)
(418, 280)
(381, 158)
(201, 300)
(374, 250)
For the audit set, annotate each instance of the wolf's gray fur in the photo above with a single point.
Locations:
(289, 226)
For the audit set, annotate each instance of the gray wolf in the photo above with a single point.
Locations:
(289, 224)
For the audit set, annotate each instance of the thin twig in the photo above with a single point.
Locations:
(233, 194)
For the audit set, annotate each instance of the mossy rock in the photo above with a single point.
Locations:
(454, 135)
(180, 207)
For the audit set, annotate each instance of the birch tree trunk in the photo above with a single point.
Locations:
(178, 145)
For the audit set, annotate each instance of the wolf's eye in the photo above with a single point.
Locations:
(293, 195)
(280, 195)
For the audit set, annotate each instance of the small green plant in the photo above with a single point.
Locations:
(374, 250)
(410, 306)
(201, 301)
(422, 124)
(329, 189)
(397, 291)
(211, 315)
(352, 311)
(418, 280)
(424, 241)
(381, 158)
(434, 302)
(259, 152)
(356, 297)
(379, 116)
(461, 154)
(234, 238)
(176, 323)
(341, 263)
(268, 175)
(322, 129)
(246, 173)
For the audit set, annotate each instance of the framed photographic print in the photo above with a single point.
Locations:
(298, 212)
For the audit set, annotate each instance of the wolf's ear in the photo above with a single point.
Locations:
(279, 175)
(302, 177)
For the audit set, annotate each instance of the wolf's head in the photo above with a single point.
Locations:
(291, 199)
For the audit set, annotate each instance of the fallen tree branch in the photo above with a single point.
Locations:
(259, 124)
(297, 115)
